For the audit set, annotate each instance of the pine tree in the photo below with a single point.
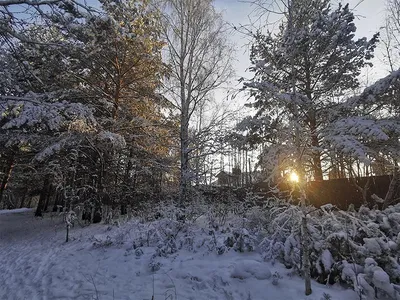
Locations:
(301, 73)
(84, 101)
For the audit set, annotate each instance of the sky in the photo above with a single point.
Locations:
(370, 16)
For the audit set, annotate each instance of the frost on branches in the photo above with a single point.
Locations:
(300, 74)
(369, 125)
(37, 122)
(357, 247)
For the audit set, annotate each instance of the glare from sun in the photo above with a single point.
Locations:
(293, 177)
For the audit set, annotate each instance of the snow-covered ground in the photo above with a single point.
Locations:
(100, 263)
(14, 211)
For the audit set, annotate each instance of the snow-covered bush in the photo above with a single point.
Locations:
(358, 247)
(250, 268)
(275, 278)
(282, 242)
(69, 219)
(243, 241)
(102, 241)
(256, 218)
(218, 213)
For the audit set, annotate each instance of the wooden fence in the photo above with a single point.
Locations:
(340, 192)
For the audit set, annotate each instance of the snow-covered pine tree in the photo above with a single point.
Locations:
(38, 105)
(368, 128)
(122, 72)
(107, 65)
(301, 72)
(321, 59)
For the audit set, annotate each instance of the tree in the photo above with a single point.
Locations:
(369, 127)
(103, 68)
(199, 58)
(43, 12)
(33, 111)
(208, 138)
(124, 71)
(391, 36)
(301, 74)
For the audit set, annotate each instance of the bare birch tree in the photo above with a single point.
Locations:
(199, 56)
(390, 40)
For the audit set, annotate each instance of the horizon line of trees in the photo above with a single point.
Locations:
(115, 104)
(111, 104)
(312, 115)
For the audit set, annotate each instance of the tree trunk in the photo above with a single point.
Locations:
(306, 256)
(127, 177)
(250, 174)
(49, 193)
(67, 234)
(211, 173)
(392, 188)
(6, 178)
(100, 175)
(184, 176)
(43, 196)
(21, 205)
(184, 130)
(316, 154)
(117, 92)
(57, 201)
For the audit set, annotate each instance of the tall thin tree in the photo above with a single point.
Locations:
(199, 57)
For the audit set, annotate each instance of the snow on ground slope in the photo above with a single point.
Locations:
(14, 211)
(36, 263)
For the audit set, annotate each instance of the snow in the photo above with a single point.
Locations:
(350, 271)
(14, 211)
(381, 280)
(116, 140)
(31, 112)
(372, 246)
(364, 286)
(378, 277)
(327, 259)
(249, 269)
(36, 263)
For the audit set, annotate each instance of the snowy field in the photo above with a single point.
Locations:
(100, 263)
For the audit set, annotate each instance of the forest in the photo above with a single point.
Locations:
(125, 111)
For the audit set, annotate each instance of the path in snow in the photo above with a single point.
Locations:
(32, 259)
(36, 264)
(26, 254)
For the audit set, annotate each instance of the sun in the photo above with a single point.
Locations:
(293, 177)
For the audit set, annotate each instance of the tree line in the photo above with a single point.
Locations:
(94, 109)
(314, 112)
(114, 103)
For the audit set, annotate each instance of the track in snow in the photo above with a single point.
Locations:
(36, 264)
